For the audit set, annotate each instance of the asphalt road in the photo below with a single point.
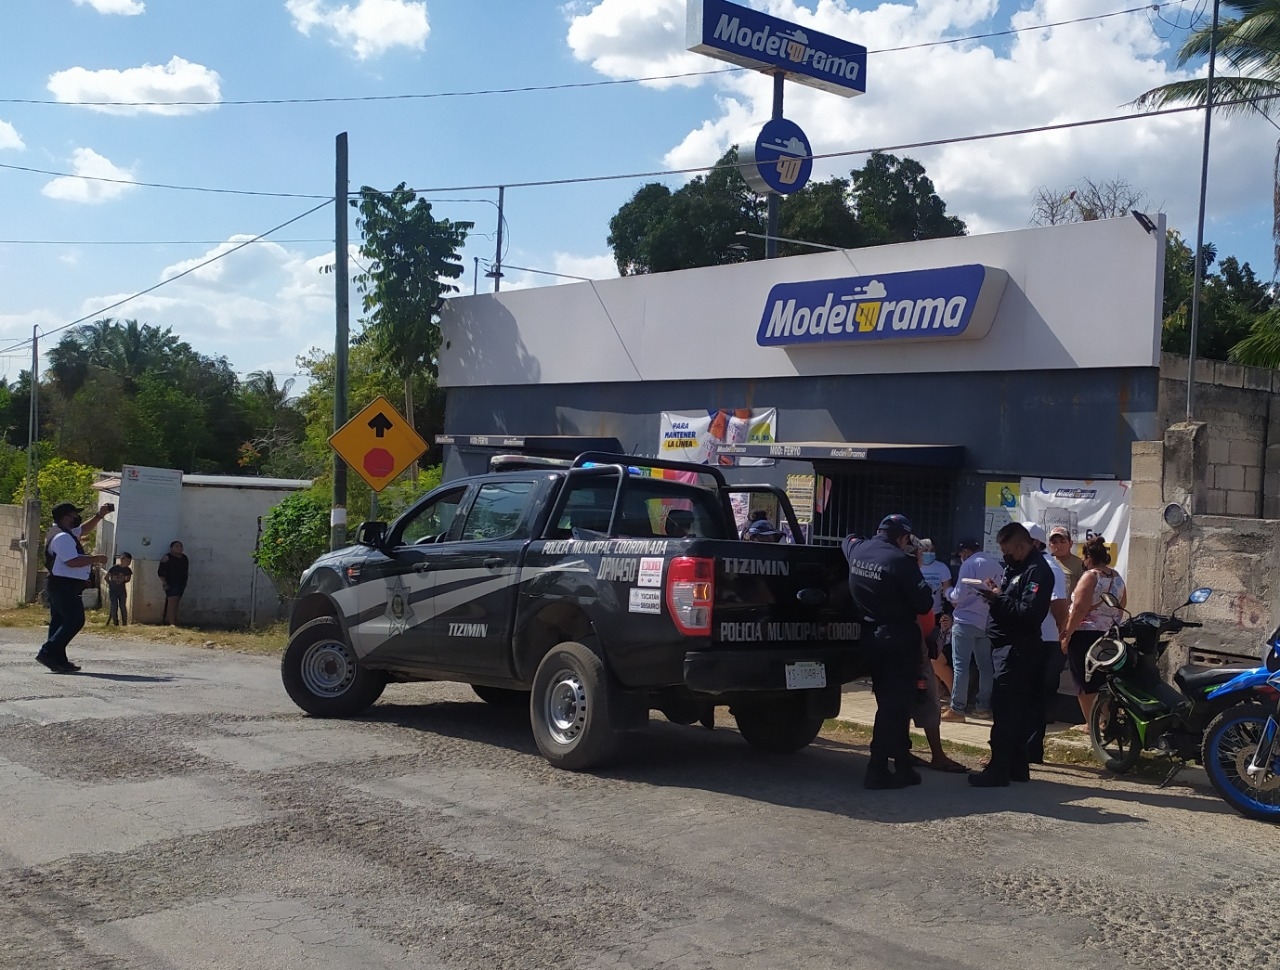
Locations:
(170, 808)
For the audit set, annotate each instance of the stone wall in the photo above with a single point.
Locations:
(13, 572)
(1237, 557)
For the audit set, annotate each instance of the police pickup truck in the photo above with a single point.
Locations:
(591, 593)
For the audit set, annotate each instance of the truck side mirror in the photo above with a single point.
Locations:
(372, 534)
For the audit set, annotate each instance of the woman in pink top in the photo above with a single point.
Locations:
(1089, 617)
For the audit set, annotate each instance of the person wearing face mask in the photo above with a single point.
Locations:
(68, 566)
(1018, 609)
(889, 594)
(936, 574)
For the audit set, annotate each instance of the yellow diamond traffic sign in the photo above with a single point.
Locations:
(378, 443)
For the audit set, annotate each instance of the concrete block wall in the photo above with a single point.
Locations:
(13, 572)
(1241, 408)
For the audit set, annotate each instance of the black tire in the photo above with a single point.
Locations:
(322, 674)
(1116, 742)
(501, 696)
(778, 727)
(1229, 746)
(570, 708)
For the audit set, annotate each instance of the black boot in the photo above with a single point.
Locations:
(880, 778)
(904, 769)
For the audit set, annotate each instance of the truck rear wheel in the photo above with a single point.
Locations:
(322, 674)
(570, 709)
(779, 727)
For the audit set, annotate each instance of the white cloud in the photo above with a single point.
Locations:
(128, 8)
(569, 265)
(1038, 77)
(370, 28)
(160, 84)
(9, 137)
(87, 162)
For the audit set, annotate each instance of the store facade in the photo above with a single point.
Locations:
(909, 378)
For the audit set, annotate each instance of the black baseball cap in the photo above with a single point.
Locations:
(895, 525)
(64, 508)
(969, 545)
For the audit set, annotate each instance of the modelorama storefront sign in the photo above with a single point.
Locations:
(752, 39)
(955, 302)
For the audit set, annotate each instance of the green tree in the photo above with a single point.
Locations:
(889, 200)
(294, 533)
(1249, 45)
(413, 259)
(59, 480)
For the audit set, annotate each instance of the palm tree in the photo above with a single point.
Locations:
(1250, 44)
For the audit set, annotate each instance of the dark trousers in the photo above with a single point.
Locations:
(894, 658)
(119, 608)
(1047, 672)
(66, 616)
(1013, 699)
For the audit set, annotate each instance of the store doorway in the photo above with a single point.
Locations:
(861, 495)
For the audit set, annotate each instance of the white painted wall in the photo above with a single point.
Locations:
(218, 531)
(1078, 296)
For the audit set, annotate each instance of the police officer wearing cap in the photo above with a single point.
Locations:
(69, 567)
(1018, 610)
(889, 594)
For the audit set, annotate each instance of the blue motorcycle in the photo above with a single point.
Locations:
(1241, 754)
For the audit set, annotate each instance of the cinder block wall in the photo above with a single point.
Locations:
(12, 573)
(1241, 408)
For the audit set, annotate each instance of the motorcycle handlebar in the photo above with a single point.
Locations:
(1191, 623)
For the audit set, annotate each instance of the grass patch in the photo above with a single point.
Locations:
(267, 641)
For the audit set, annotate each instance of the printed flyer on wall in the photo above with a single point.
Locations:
(692, 435)
(1087, 509)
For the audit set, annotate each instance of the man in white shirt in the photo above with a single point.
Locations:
(1048, 669)
(970, 646)
(69, 567)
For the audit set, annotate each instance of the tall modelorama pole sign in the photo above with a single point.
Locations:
(780, 159)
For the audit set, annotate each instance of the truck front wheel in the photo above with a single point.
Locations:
(570, 709)
(779, 727)
(322, 674)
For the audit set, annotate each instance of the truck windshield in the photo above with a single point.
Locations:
(652, 508)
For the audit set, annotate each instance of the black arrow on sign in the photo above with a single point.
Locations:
(380, 424)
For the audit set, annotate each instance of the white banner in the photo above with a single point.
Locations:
(692, 435)
(150, 510)
(1087, 509)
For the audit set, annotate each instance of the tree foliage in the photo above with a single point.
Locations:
(294, 533)
(888, 200)
(59, 480)
(1249, 45)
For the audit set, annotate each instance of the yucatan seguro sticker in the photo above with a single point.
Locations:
(949, 303)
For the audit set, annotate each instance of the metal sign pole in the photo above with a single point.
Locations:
(774, 201)
(338, 515)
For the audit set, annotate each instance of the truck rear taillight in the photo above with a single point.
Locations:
(691, 589)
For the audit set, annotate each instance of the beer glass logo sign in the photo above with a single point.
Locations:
(781, 159)
(797, 45)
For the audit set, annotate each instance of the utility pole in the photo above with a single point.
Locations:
(338, 514)
(497, 258)
(1198, 279)
(773, 200)
(31, 497)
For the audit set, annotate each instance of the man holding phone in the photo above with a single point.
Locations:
(69, 567)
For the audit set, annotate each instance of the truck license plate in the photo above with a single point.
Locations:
(806, 676)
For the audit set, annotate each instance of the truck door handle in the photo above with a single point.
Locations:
(421, 567)
(493, 562)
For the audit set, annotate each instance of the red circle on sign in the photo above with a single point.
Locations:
(379, 462)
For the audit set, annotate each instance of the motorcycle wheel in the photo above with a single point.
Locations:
(1116, 742)
(1229, 746)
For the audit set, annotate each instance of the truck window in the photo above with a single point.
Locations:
(430, 522)
(652, 508)
(497, 511)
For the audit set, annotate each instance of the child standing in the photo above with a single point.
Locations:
(118, 577)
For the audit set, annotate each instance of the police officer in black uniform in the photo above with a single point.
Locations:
(889, 594)
(1018, 609)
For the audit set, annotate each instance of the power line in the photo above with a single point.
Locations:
(567, 86)
(160, 185)
(932, 143)
(166, 282)
(144, 242)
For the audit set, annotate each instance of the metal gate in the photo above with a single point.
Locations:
(862, 495)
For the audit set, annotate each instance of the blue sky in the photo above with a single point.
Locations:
(267, 303)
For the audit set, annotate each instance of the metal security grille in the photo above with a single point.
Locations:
(862, 495)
